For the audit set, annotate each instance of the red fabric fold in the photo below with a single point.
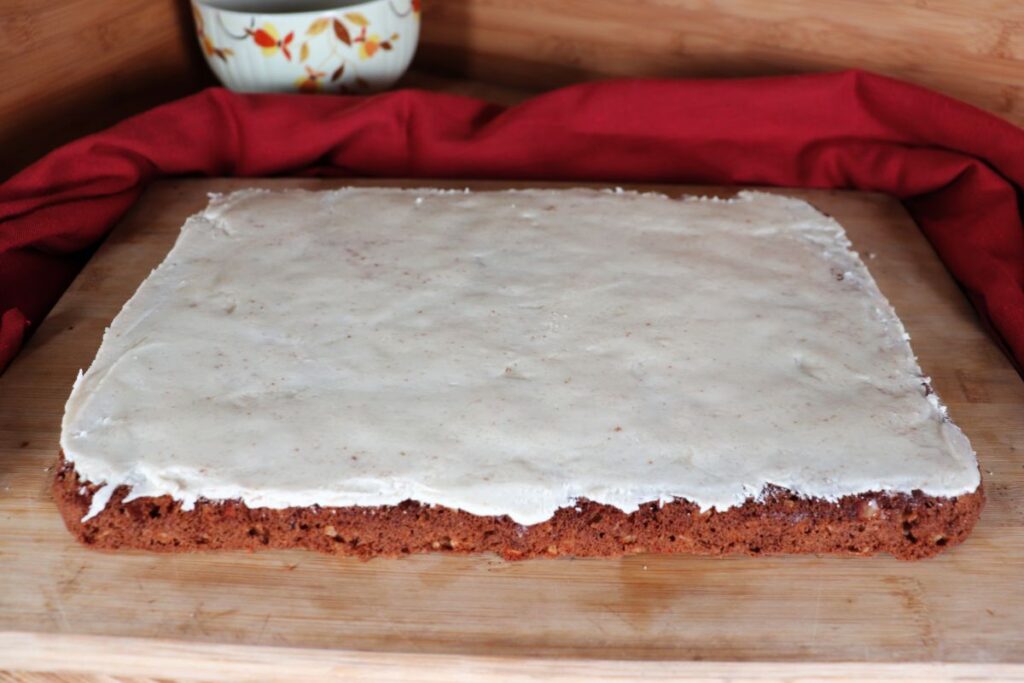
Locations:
(957, 169)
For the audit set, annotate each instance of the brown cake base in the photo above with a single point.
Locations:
(907, 526)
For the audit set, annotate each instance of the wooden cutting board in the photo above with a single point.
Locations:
(239, 616)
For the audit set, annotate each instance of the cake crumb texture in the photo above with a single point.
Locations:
(908, 526)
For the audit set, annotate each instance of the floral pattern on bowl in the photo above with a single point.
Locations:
(357, 48)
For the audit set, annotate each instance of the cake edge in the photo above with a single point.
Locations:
(907, 526)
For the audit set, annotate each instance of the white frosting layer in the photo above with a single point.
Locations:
(506, 353)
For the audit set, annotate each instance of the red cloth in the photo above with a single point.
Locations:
(957, 169)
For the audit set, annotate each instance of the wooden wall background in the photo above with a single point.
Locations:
(74, 66)
(71, 67)
(971, 49)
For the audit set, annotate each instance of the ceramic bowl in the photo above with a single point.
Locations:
(307, 45)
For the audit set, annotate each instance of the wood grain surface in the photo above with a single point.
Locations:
(973, 50)
(223, 616)
(72, 67)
